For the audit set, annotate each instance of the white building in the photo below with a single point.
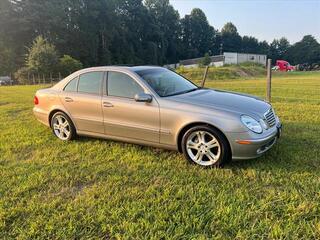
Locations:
(236, 58)
(227, 58)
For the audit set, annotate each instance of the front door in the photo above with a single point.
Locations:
(123, 116)
(82, 99)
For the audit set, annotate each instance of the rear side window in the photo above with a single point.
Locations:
(71, 86)
(121, 85)
(90, 82)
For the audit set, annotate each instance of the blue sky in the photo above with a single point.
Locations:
(263, 19)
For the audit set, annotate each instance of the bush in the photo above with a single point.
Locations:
(205, 61)
(26, 75)
(68, 65)
(23, 75)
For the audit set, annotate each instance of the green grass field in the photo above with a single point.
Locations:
(92, 188)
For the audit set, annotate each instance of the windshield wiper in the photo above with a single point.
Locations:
(183, 92)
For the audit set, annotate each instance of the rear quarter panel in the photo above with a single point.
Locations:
(48, 101)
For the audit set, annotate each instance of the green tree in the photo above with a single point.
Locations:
(279, 49)
(167, 29)
(19, 25)
(91, 27)
(82, 29)
(198, 37)
(273, 50)
(42, 56)
(102, 32)
(250, 45)
(305, 51)
(7, 60)
(206, 60)
(231, 39)
(68, 65)
(264, 47)
(134, 35)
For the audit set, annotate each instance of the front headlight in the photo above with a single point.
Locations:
(251, 123)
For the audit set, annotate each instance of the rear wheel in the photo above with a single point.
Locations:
(205, 146)
(62, 126)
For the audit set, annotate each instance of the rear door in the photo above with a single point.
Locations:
(123, 116)
(82, 98)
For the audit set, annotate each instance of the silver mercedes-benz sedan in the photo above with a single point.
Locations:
(157, 107)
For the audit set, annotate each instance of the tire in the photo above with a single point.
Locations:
(211, 151)
(62, 127)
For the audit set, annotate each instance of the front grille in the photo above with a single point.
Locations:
(270, 118)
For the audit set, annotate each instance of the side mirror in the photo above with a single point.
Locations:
(143, 97)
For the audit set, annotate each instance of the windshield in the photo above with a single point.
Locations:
(165, 82)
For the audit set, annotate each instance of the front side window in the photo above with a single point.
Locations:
(165, 82)
(121, 85)
(72, 85)
(90, 82)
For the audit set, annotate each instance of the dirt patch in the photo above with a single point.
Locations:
(3, 103)
(242, 73)
(15, 112)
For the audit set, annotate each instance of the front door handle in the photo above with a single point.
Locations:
(107, 104)
(67, 99)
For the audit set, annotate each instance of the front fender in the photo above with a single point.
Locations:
(175, 121)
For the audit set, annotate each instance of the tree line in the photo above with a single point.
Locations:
(105, 32)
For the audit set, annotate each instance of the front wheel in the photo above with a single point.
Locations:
(62, 126)
(205, 146)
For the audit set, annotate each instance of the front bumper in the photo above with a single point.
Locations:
(254, 147)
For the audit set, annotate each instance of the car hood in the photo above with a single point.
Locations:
(237, 102)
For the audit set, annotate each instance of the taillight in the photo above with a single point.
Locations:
(36, 100)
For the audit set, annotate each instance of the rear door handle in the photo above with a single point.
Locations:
(107, 104)
(67, 99)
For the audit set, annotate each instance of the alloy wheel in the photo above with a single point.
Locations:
(203, 148)
(61, 127)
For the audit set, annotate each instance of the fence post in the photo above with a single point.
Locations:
(204, 76)
(59, 76)
(269, 76)
(33, 79)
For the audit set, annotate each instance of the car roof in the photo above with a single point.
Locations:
(133, 68)
(141, 68)
(127, 69)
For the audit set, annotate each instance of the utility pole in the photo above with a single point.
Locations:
(269, 76)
